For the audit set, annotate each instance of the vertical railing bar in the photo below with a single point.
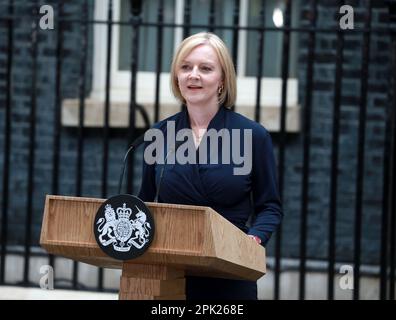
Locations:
(260, 59)
(80, 142)
(282, 141)
(32, 142)
(57, 111)
(392, 208)
(385, 207)
(186, 25)
(392, 191)
(212, 15)
(135, 16)
(235, 37)
(7, 142)
(186, 18)
(392, 236)
(334, 161)
(388, 197)
(361, 154)
(160, 30)
(106, 118)
(306, 149)
(235, 33)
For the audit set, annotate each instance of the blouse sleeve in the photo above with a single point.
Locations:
(266, 200)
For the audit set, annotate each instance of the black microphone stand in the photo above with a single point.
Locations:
(133, 146)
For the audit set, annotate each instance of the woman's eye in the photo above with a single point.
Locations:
(206, 69)
(184, 67)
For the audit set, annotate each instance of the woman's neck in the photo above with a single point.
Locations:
(201, 116)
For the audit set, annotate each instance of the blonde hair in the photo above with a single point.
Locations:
(228, 95)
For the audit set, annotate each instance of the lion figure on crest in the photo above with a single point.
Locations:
(107, 228)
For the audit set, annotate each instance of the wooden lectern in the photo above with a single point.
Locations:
(189, 240)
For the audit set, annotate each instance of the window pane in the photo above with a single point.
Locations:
(147, 37)
(272, 57)
(223, 16)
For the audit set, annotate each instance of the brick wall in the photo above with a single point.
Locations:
(321, 139)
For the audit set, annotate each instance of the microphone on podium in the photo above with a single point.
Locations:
(138, 141)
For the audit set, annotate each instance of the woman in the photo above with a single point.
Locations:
(203, 79)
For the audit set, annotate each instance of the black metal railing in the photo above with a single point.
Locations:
(64, 23)
(306, 151)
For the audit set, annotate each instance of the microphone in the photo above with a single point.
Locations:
(138, 141)
(177, 145)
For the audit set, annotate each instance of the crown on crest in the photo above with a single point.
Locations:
(124, 212)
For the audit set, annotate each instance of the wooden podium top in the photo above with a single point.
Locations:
(193, 238)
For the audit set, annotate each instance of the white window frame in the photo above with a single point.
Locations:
(246, 86)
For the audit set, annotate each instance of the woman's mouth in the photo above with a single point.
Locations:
(194, 87)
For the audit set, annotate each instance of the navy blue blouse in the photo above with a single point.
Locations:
(235, 197)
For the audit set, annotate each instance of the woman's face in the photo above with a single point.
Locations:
(199, 75)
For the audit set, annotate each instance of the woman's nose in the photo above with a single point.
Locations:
(194, 73)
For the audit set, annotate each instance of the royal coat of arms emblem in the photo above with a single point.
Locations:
(124, 227)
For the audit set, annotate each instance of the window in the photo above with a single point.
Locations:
(273, 40)
(224, 16)
(173, 13)
(147, 37)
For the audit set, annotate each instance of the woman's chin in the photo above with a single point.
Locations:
(201, 99)
(195, 100)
